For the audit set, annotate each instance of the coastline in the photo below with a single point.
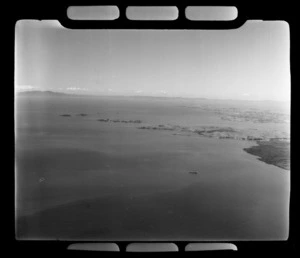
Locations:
(274, 152)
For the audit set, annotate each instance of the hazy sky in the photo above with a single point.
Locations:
(251, 62)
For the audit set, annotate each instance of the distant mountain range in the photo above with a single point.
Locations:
(43, 93)
(38, 93)
(58, 94)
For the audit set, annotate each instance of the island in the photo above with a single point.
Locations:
(275, 151)
(120, 121)
(160, 127)
(206, 131)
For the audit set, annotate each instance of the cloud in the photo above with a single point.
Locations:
(26, 87)
(77, 89)
(160, 92)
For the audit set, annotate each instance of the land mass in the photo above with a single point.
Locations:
(47, 93)
(275, 152)
(137, 121)
(150, 97)
(270, 150)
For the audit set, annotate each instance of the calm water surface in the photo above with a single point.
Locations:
(78, 178)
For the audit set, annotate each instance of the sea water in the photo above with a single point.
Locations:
(80, 178)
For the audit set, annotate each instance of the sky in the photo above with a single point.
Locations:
(248, 63)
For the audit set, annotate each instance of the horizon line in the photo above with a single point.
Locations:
(146, 96)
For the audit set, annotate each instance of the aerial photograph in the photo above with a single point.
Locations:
(152, 134)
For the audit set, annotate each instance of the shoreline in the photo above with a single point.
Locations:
(273, 152)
